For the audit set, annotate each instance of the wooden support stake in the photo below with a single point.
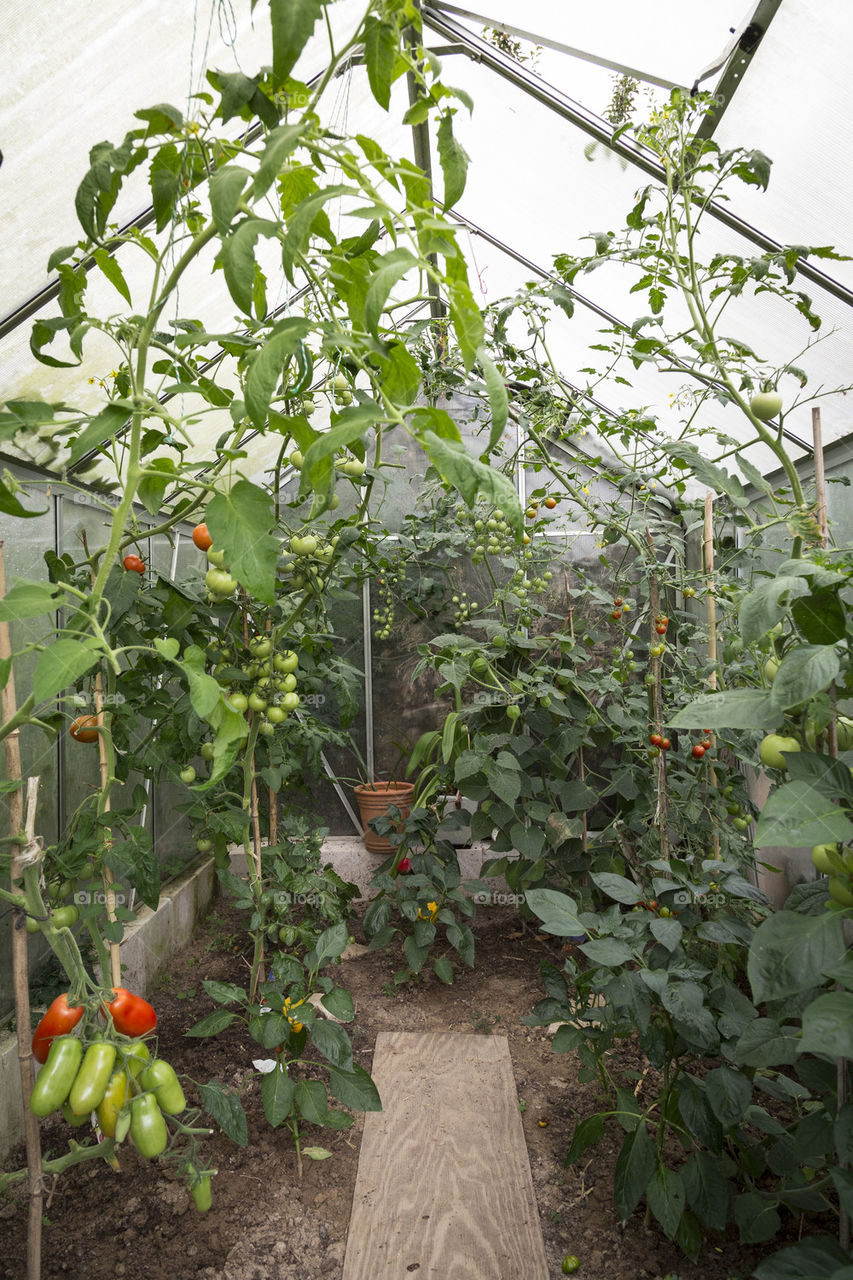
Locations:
(109, 878)
(20, 971)
(711, 607)
(832, 747)
(661, 818)
(273, 794)
(581, 764)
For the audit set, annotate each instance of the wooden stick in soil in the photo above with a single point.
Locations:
(581, 765)
(711, 614)
(255, 816)
(20, 972)
(109, 878)
(832, 747)
(661, 817)
(273, 794)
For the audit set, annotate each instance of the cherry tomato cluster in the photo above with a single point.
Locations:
(383, 612)
(620, 606)
(651, 904)
(699, 749)
(659, 741)
(661, 624)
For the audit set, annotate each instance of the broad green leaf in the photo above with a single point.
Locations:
(764, 1043)
(311, 1101)
(292, 23)
(729, 709)
(165, 176)
(797, 814)
(634, 1168)
(756, 1218)
(281, 143)
(330, 944)
(223, 992)
(763, 608)
(168, 647)
(265, 372)
(443, 969)
(231, 730)
(204, 689)
(828, 1026)
(106, 424)
(729, 1094)
(557, 911)
(665, 1195)
(498, 400)
(159, 474)
(707, 1189)
(339, 1004)
(238, 259)
(317, 1153)
(277, 1092)
(239, 522)
(708, 473)
(332, 1041)
(113, 272)
(820, 618)
(301, 222)
(473, 478)
(586, 1134)
(668, 932)
(790, 952)
(605, 951)
(62, 664)
(803, 672)
(354, 1089)
(454, 160)
(227, 1110)
(817, 1258)
(380, 55)
(401, 376)
(467, 321)
(437, 420)
(389, 269)
(350, 426)
(825, 773)
(226, 187)
(617, 887)
(28, 599)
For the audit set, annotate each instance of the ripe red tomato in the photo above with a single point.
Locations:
(661, 628)
(132, 1016)
(616, 614)
(618, 601)
(202, 538)
(85, 729)
(655, 739)
(134, 564)
(550, 503)
(405, 864)
(59, 1020)
(699, 751)
(665, 744)
(706, 743)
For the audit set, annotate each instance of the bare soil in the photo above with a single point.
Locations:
(265, 1223)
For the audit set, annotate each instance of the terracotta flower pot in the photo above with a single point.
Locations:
(373, 801)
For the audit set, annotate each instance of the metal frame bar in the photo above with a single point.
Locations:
(740, 56)
(547, 43)
(552, 98)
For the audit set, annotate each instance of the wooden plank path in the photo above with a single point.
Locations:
(444, 1190)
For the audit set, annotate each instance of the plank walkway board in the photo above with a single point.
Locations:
(444, 1190)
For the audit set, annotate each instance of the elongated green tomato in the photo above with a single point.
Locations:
(70, 1117)
(57, 1075)
(147, 1127)
(827, 859)
(839, 890)
(137, 1057)
(161, 1078)
(91, 1081)
(112, 1103)
(201, 1193)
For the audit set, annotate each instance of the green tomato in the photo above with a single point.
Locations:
(266, 728)
(204, 845)
(308, 405)
(160, 1077)
(289, 702)
(740, 824)
(340, 382)
(772, 746)
(289, 683)
(570, 1264)
(65, 917)
(216, 558)
(827, 858)
(286, 662)
(257, 703)
(147, 1127)
(239, 701)
(260, 646)
(296, 460)
(187, 775)
(766, 405)
(513, 712)
(353, 467)
(207, 750)
(771, 666)
(90, 1083)
(201, 1193)
(57, 1075)
(303, 546)
(219, 582)
(276, 715)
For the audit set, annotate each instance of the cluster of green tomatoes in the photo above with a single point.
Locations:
(271, 695)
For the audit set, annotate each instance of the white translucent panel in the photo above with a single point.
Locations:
(796, 104)
(681, 40)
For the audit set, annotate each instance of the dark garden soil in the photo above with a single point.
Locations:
(267, 1225)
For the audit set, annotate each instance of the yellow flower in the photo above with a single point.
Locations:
(430, 913)
(297, 1026)
(585, 489)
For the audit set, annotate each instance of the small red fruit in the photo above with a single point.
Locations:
(550, 503)
(655, 739)
(405, 864)
(134, 564)
(616, 615)
(699, 751)
(85, 729)
(706, 744)
(618, 601)
(661, 628)
(665, 744)
(202, 538)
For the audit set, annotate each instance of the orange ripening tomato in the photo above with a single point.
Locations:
(202, 538)
(132, 1016)
(134, 564)
(85, 729)
(59, 1020)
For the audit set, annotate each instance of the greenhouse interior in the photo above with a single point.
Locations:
(426, 567)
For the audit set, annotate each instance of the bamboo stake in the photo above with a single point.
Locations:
(711, 614)
(109, 878)
(581, 764)
(661, 818)
(273, 794)
(832, 747)
(20, 971)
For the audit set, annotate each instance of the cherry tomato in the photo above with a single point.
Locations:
(202, 538)
(661, 628)
(618, 601)
(132, 1016)
(58, 1021)
(706, 743)
(134, 564)
(550, 503)
(665, 744)
(698, 751)
(85, 729)
(616, 615)
(655, 739)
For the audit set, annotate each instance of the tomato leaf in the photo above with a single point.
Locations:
(277, 1093)
(763, 608)
(293, 24)
(239, 522)
(62, 664)
(790, 952)
(498, 400)
(29, 599)
(471, 477)
(454, 160)
(806, 670)
(267, 367)
(797, 814)
(730, 709)
(390, 268)
(380, 55)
